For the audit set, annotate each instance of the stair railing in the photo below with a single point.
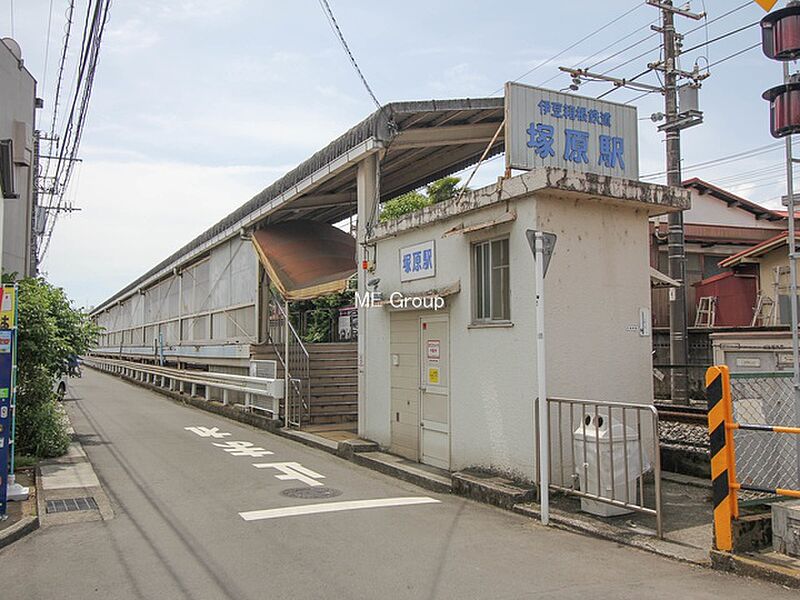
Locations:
(293, 355)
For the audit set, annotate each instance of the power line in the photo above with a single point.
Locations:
(723, 159)
(735, 54)
(47, 45)
(335, 27)
(94, 26)
(645, 53)
(611, 45)
(721, 37)
(573, 45)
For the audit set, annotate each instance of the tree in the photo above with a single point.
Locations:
(49, 331)
(440, 190)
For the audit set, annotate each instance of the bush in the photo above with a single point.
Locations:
(440, 190)
(397, 207)
(49, 331)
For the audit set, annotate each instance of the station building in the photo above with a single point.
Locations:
(454, 386)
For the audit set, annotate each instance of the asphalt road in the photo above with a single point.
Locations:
(177, 530)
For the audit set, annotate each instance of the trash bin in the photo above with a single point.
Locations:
(595, 438)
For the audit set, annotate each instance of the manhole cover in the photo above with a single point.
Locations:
(310, 493)
(71, 504)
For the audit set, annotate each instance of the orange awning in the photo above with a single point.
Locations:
(306, 259)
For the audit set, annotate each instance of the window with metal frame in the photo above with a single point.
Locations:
(490, 289)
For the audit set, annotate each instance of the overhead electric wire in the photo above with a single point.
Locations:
(720, 37)
(94, 26)
(62, 63)
(742, 154)
(47, 45)
(335, 27)
(734, 55)
(611, 45)
(574, 44)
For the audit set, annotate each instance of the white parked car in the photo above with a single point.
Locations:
(60, 387)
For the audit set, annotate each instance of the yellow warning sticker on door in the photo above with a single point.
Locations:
(433, 375)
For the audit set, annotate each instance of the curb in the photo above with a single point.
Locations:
(749, 567)
(19, 530)
(565, 523)
(25, 525)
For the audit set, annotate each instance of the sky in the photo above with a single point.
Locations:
(200, 104)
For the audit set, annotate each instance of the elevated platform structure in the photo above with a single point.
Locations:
(211, 305)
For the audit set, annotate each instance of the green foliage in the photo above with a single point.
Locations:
(438, 191)
(443, 189)
(408, 202)
(321, 315)
(50, 330)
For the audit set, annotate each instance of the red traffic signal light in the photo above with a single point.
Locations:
(780, 33)
(784, 109)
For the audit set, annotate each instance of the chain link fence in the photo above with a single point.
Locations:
(764, 458)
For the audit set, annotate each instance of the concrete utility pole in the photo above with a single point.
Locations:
(678, 331)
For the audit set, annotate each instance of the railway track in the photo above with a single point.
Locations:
(695, 415)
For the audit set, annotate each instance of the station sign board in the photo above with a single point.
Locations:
(545, 128)
(418, 261)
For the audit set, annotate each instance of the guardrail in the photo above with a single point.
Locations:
(177, 379)
(765, 462)
(601, 453)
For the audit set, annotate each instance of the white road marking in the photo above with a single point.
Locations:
(243, 449)
(325, 507)
(293, 470)
(213, 432)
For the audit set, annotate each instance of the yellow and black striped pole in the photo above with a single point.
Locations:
(723, 465)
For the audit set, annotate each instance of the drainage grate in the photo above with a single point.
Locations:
(71, 504)
(311, 493)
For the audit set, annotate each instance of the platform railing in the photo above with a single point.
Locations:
(600, 451)
(179, 379)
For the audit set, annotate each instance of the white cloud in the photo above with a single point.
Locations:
(135, 214)
(131, 35)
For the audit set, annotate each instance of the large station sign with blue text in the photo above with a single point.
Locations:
(552, 129)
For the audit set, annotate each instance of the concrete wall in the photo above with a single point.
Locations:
(17, 108)
(597, 282)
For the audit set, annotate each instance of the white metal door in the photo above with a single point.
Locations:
(435, 391)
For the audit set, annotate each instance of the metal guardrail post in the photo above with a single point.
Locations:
(723, 461)
(600, 435)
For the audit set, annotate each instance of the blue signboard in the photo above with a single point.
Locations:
(6, 391)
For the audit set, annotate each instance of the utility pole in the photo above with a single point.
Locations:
(676, 248)
(676, 118)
